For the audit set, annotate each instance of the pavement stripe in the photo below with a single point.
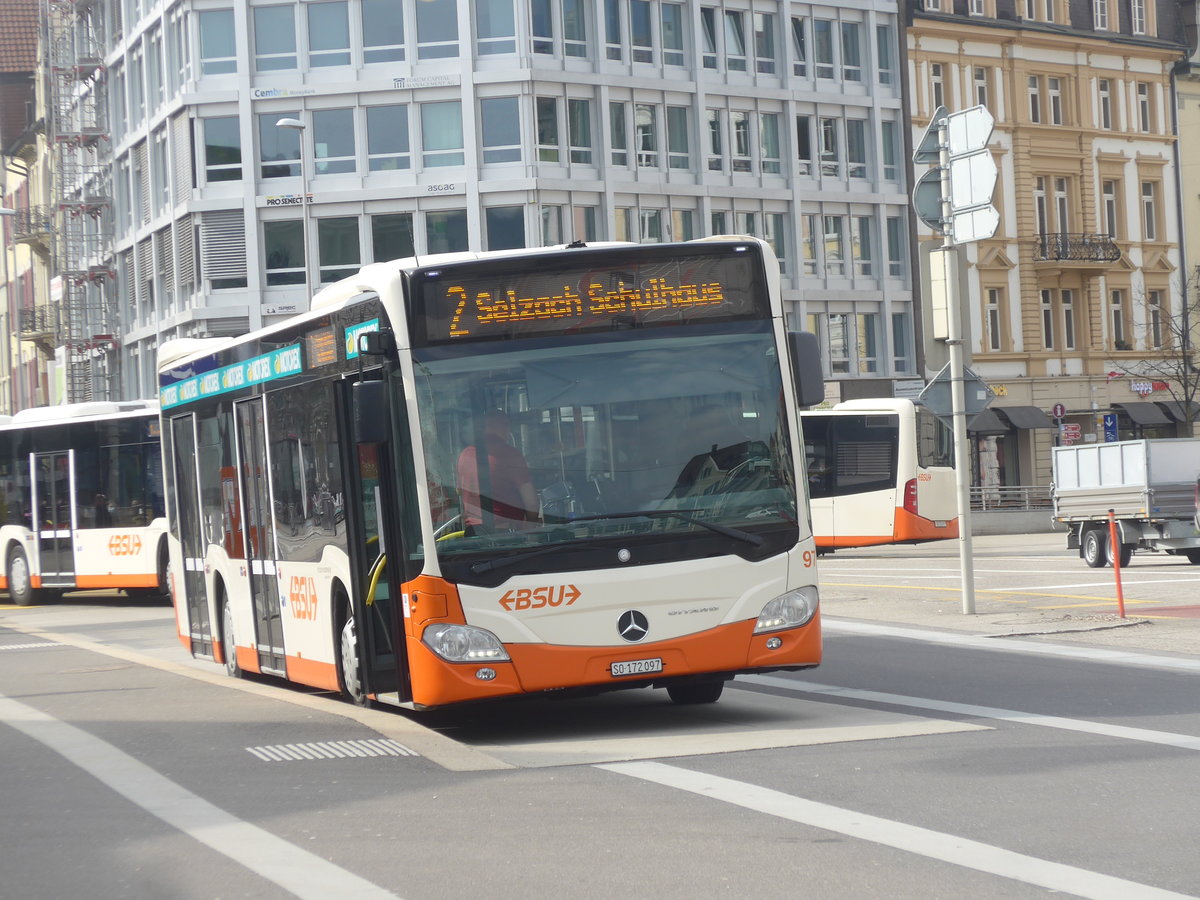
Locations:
(1145, 735)
(1003, 644)
(298, 871)
(910, 838)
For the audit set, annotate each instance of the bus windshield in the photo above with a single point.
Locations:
(593, 441)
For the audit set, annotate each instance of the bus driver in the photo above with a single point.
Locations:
(513, 501)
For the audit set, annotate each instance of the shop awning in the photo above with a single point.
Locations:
(1174, 409)
(1144, 413)
(1025, 416)
(987, 422)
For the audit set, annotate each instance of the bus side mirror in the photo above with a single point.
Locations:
(370, 415)
(377, 343)
(806, 368)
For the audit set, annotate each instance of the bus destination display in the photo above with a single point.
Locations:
(608, 290)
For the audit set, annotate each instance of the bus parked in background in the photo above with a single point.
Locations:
(82, 501)
(637, 516)
(879, 472)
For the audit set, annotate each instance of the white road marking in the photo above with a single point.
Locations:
(910, 838)
(1145, 735)
(1006, 645)
(304, 874)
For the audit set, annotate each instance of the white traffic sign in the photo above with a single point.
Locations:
(977, 224)
(972, 180)
(969, 130)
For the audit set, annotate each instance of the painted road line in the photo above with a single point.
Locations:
(446, 752)
(1006, 645)
(267, 855)
(910, 838)
(1103, 729)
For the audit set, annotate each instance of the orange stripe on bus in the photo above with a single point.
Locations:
(907, 529)
(116, 581)
(315, 674)
(540, 667)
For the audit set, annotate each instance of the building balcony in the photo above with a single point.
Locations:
(33, 225)
(1076, 250)
(37, 323)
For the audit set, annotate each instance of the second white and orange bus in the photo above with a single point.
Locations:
(880, 471)
(81, 501)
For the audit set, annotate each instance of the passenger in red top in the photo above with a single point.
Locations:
(513, 500)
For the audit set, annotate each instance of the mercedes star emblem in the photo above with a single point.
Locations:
(632, 626)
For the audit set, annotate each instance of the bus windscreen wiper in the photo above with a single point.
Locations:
(735, 533)
(501, 562)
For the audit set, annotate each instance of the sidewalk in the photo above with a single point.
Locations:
(1171, 627)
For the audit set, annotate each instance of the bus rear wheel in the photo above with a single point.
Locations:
(1094, 549)
(691, 693)
(20, 583)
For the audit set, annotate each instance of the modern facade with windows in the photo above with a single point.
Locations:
(260, 149)
(1079, 281)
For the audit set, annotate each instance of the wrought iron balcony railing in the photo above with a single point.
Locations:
(37, 321)
(1077, 247)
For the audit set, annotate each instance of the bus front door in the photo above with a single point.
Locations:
(53, 490)
(258, 533)
(191, 532)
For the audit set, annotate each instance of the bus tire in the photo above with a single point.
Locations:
(228, 639)
(1095, 548)
(1126, 554)
(20, 584)
(349, 673)
(691, 693)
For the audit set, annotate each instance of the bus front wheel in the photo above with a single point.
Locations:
(20, 584)
(348, 663)
(690, 693)
(228, 642)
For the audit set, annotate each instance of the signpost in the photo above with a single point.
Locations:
(955, 200)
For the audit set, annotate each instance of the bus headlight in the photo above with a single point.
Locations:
(464, 643)
(790, 610)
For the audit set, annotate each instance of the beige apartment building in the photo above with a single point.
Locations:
(1081, 280)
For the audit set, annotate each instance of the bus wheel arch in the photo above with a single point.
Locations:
(346, 647)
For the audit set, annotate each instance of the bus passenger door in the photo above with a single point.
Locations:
(377, 565)
(190, 516)
(53, 491)
(259, 535)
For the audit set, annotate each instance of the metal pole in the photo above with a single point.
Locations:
(958, 400)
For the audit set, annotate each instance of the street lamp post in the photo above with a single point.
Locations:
(298, 126)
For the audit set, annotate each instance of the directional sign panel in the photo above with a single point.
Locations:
(972, 180)
(977, 224)
(969, 130)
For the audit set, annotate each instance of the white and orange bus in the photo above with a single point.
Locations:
(316, 471)
(880, 471)
(82, 501)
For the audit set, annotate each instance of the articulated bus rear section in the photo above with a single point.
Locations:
(81, 501)
(880, 471)
(488, 475)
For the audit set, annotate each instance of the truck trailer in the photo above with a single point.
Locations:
(1148, 485)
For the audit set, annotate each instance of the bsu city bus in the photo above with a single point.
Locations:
(879, 472)
(638, 517)
(81, 501)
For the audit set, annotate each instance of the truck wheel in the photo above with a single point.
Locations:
(1095, 549)
(1126, 554)
(1193, 556)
